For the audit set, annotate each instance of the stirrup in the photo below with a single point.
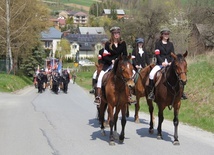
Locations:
(92, 91)
(151, 96)
(132, 101)
(97, 101)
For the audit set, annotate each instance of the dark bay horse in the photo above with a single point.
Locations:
(115, 95)
(168, 91)
(140, 86)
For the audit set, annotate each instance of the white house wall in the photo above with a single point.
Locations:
(55, 43)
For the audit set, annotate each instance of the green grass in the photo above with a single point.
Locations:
(79, 2)
(198, 110)
(10, 83)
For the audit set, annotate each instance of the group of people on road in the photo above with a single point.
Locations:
(115, 46)
(54, 79)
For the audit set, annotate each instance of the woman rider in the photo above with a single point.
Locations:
(100, 61)
(113, 49)
(140, 58)
(163, 49)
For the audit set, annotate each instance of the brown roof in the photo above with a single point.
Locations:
(80, 14)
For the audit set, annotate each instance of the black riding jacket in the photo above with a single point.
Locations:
(112, 53)
(165, 52)
(138, 59)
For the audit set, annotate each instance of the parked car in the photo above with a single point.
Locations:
(86, 62)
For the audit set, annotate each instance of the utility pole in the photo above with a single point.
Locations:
(9, 60)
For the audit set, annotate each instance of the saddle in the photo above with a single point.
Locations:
(158, 76)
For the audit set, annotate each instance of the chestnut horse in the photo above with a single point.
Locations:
(140, 86)
(169, 87)
(115, 95)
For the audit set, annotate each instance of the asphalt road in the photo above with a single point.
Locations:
(66, 124)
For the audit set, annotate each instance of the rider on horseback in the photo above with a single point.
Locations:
(113, 49)
(100, 61)
(163, 49)
(140, 58)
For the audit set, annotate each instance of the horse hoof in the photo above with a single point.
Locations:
(176, 142)
(116, 135)
(111, 143)
(159, 137)
(103, 133)
(121, 141)
(151, 131)
(106, 124)
(137, 121)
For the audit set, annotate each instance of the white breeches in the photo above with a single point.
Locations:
(95, 75)
(99, 81)
(153, 71)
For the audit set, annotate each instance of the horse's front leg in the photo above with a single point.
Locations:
(160, 121)
(111, 124)
(176, 122)
(116, 136)
(151, 109)
(123, 123)
(101, 116)
(137, 108)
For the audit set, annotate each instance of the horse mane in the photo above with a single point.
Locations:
(179, 58)
(124, 58)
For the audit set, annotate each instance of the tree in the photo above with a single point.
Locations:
(37, 59)
(22, 21)
(63, 49)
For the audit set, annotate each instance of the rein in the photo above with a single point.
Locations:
(173, 87)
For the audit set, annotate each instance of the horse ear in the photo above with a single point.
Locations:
(173, 55)
(185, 54)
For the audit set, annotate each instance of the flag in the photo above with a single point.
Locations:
(60, 67)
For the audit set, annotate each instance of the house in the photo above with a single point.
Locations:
(84, 45)
(120, 13)
(50, 39)
(91, 30)
(78, 16)
(59, 22)
(202, 38)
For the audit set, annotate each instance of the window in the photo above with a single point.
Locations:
(74, 46)
(48, 44)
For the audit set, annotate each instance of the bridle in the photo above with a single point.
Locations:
(120, 76)
(179, 83)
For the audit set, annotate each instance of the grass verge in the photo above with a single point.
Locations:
(10, 83)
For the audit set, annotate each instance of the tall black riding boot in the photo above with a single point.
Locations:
(94, 81)
(97, 100)
(151, 90)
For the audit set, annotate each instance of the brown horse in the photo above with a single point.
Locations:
(168, 91)
(114, 94)
(140, 86)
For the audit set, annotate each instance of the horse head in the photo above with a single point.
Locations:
(180, 67)
(124, 70)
